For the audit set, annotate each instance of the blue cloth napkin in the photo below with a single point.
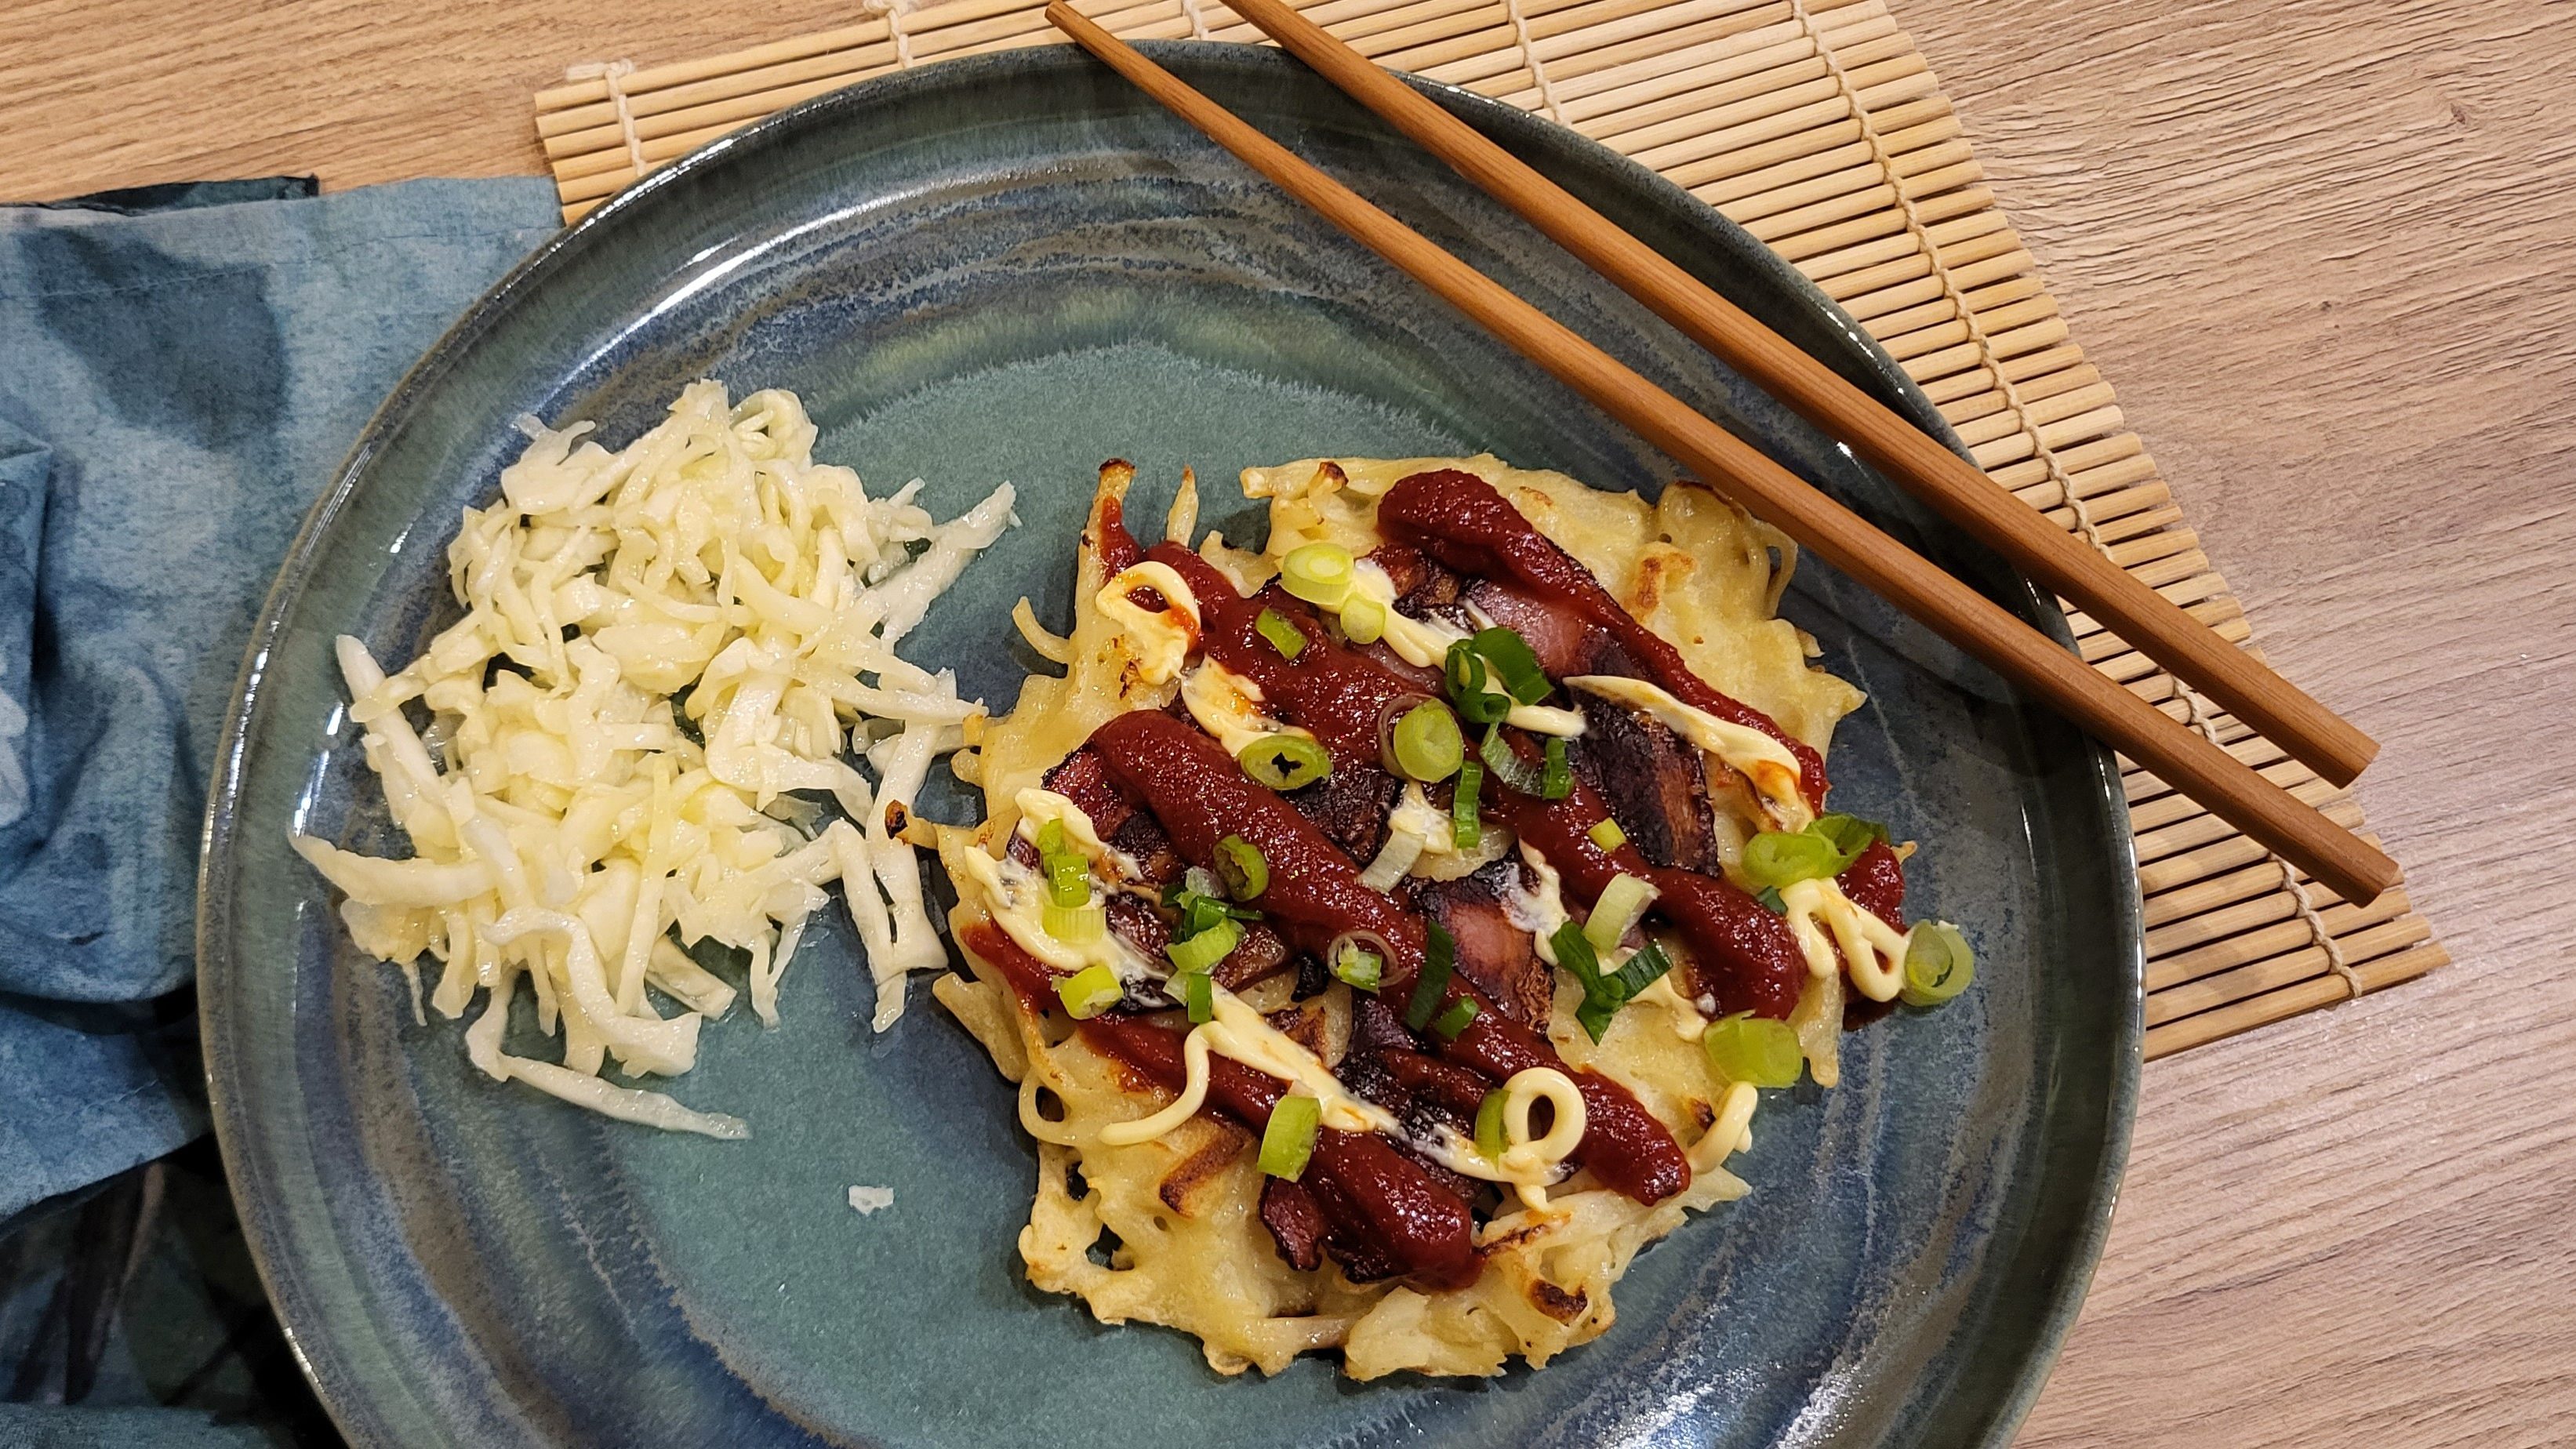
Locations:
(180, 371)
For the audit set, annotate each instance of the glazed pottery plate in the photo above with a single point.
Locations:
(1014, 268)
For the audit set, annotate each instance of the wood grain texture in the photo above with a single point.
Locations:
(2324, 249)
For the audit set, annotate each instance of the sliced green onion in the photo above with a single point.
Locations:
(1284, 636)
(1427, 745)
(1938, 964)
(1243, 868)
(1290, 1138)
(1285, 761)
(1465, 675)
(1359, 968)
(1431, 984)
(1777, 858)
(1848, 834)
(1606, 834)
(1466, 831)
(1075, 925)
(1201, 952)
(1556, 777)
(1196, 897)
(1770, 899)
(1639, 971)
(1461, 670)
(1604, 995)
(1068, 878)
(1319, 573)
(1826, 848)
(1616, 909)
(1506, 765)
(1089, 991)
(1363, 620)
(1574, 953)
(1454, 1020)
(1489, 1124)
(1198, 993)
(1748, 1048)
(1201, 913)
(1513, 661)
(1051, 838)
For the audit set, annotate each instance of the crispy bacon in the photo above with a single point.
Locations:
(1295, 1223)
(1459, 520)
(1081, 778)
(1655, 784)
(1492, 952)
(1398, 1217)
(1315, 895)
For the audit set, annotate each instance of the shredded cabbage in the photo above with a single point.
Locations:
(659, 645)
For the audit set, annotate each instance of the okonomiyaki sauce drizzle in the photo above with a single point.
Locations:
(1374, 1201)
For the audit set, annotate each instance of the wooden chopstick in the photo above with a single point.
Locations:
(2185, 759)
(2326, 742)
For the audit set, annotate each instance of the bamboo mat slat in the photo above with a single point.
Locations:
(1817, 126)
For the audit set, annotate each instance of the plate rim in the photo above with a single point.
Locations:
(343, 1398)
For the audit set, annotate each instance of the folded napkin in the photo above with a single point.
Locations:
(180, 370)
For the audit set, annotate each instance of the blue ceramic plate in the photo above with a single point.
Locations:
(1013, 268)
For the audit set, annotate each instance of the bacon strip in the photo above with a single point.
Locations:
(1315, 895)
(1460, 520)
(1740, 953)
(1370, 1191)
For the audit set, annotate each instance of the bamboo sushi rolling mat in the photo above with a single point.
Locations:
(1817, 126)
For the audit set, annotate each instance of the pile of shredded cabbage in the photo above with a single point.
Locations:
(659, 646)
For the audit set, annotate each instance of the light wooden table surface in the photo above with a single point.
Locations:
(2327, 252)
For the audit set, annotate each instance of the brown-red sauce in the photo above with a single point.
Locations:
(1459, 519)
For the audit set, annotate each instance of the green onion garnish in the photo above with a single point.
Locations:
(1243, 868)
(1513, 661)
(1454, 1020)
(1202, 912)
(1464, 673)
(1319, 573)
(1574, 953)
(1462, 670)
(1604, 995)
(1068, 878)
(1637, 973)
(1465, 831)
(1748, 1048)
(1556, 777)
(1075, 925)
(1769, 896)
(1285, 637)
(1358, 968)
(1285, 761)
(1849, 833)
(1607, 835)
(1506, 765)
(1426, 743)
(1938, 964)
(1489, 1124)
(1826, 848)
(1089, 991)
(1290, 1138)
(1431, 984)
(1051, 838)
(1202, 951)
(1777, 858)
(1198, 993)
(1617, 908)
(1363, 620)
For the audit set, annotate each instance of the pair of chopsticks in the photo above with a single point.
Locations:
(2183, 758)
